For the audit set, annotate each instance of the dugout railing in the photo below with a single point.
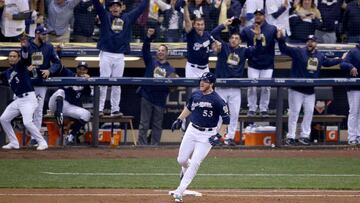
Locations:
(278, 83)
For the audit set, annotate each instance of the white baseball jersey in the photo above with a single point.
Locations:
(9, 27)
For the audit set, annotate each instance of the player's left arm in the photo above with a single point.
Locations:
(55, 60)
(328, 62)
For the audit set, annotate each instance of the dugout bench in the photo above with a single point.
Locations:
(126, 120)
(329, 118)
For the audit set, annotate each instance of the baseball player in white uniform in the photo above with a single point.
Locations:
(115, 36)
(25, 101)
(205, 107)
(67, 102)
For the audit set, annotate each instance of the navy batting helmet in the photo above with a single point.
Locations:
(209, 77)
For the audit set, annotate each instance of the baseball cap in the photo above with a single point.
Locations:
(41, 30)
(311, 37)
(82, 64)
(261, 11)
(235, 21)
(119, 2)
(209, 77)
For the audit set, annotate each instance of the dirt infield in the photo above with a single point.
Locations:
(161, 196)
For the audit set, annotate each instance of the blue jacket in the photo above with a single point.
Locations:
(50, 60)
(231, 61)
(352, 60)
(115, 32)
(305, 64)
(262, 60)
(18, 77)
(351, 19)
(154, 69)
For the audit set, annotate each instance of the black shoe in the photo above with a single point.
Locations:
(116, 113)
(101, 113)
(34, 143)
(304, 141)
(251, 113)
(264, 114)
(229, 142)
(290, 142)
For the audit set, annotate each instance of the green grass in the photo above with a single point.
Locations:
(291, 173)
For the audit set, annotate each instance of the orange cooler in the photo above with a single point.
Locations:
(260, 136)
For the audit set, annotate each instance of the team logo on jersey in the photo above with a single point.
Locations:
(263, 40)
(312, 64)
(117, 25)
(37, 58)
(233, 59)
(201, 105)
(197, 46)
(159, 72)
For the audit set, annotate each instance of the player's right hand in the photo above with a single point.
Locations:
(150, 32)
(176, 125)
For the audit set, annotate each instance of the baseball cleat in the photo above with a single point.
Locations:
(229, 142)
(353, 142)
(304, 141)
(264, 114)
(116, 113)
(290, 142)
(34, 143)
(42, 147)
(11, 146)
(178, 198)
(251, 113)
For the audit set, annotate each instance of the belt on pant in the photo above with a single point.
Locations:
(201, 128)
(197, 66)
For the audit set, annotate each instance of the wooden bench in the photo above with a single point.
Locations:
(126, 120)
(329, 118)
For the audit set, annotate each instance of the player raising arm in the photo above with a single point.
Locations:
(25, 101)
(204, 108)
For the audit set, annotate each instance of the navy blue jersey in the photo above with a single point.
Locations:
(206, 109)
(115, 32)
(305, 64)
(263, 60)
(231, 61)
(154, 69)
(352, 60)
(45, 57)
(198, 47)
(18, 77)
(73, 94)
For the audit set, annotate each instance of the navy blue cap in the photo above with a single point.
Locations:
(41, 30)
(311, 37)
(119, 2)
(83, 64)
(209, 77)
(261, 11)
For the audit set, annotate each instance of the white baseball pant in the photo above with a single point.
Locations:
(354, 114)
(195, 145)
(24, 106)
(194, 72)
(232, 96)
(38, 114)
(69, 110)
(296, 100)
(111, 65)
(265, 91)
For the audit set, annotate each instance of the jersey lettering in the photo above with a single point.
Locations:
(208, 113)
(312, 64)
(233, 59)
(37, 58)
(117, 25)
(159, 72)
(197, 46)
